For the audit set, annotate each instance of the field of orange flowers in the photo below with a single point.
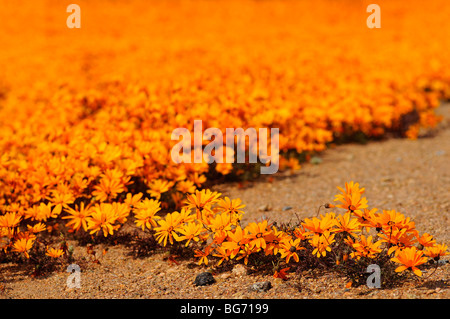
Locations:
(86, 117)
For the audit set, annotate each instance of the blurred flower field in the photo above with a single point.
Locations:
(86, 114)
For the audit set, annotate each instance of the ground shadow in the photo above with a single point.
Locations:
(433, 284)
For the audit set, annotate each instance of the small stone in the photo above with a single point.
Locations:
(315, 160)
(204, 278)
(285, 208)
(261, 286)
(240, 295)
(225, 275)
(264, 208)
(239, 270)
(172, 270)
(278, 281)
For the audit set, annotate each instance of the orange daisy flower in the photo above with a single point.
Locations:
(410, 258)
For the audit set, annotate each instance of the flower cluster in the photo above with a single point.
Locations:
(359, 233)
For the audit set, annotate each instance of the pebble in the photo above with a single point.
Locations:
(239, 270)
(285, 208)
(264, 208)
(225, 275)
(172, 270)
(261, 286)
(204, 278)
(316, 160)
(240, 295)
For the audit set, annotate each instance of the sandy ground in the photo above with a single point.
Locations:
(412, 177)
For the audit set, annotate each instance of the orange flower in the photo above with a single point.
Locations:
(122, 211)
(190, 231)
(197, 179)
(132, 200)
(102, 217)
(282, 273)
(54, 253)
(436, 251)
(202, 202)
(36, 228)
(410, 258)
(426, 240)
(257, 233)
(10, 220)
(144, 213)
(392, 220)
(318, 226)
(274, 241)
(398, 240)
(224, 168)
(289, 249)
(222, 253)
(42, 212)
(23, 245)
(158, 187)
(63, 199)
(108, 188)
(299, 232)
(245, 253)
(186, 187)
(237, 240)
(219, 237)
(231, 206)
(78, 217)
(347, 225)
(322, 243)
(365, 247)
(351, 198)
(221, 222)
(167, 228)
(367, 218)
(203, 255)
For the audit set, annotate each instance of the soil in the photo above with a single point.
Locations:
(410, 176)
